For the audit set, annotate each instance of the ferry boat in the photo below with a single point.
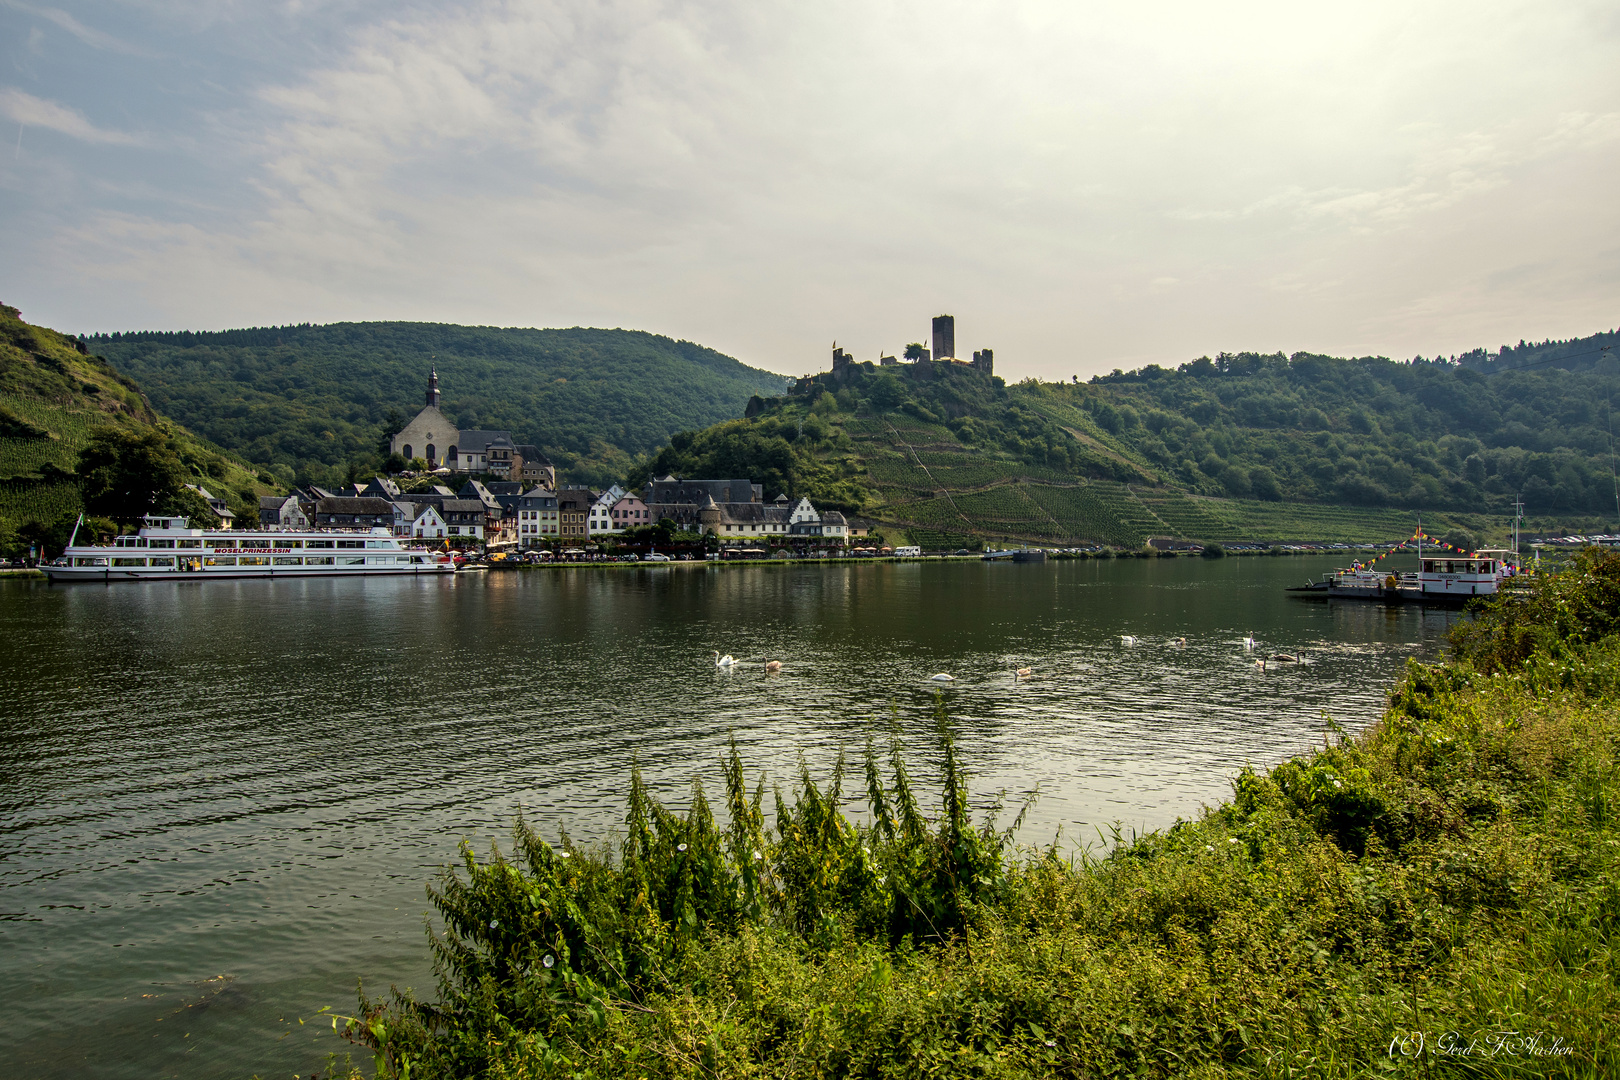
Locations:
(169, 549)
(1454, 578)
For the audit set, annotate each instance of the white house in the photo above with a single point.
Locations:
(419, 520)
(600, 518)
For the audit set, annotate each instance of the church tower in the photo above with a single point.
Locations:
(433, 388)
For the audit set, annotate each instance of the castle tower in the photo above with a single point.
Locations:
(944, 337)
(433, 388)
(985, 361)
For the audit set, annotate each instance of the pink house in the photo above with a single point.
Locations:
(629, 512)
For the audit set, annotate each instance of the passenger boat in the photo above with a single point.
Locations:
(169, 549)
(1453, 579)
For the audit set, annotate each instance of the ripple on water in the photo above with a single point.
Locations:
(247, 786)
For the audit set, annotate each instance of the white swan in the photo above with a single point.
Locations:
(1127, 639)
(1248, 642)
(723, 661)
(942, 677)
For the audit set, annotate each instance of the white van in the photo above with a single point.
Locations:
(907, 552)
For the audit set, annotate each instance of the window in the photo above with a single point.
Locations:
(351, 543)
(318, 544)
(162, 543)
(89, 562)
(219, 560)
(188, 543)
(352, 560)
(286, 560)
(318, 560)
(163, 562)
(255, 560)
(129, 562)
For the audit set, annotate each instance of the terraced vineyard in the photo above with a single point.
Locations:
(1184, 517)
(1087, 515)
(23, 500)
(70, 428)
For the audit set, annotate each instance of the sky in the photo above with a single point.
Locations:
(1084, 186)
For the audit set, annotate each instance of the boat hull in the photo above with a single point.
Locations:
(111, 574)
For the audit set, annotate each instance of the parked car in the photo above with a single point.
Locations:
(653, 556)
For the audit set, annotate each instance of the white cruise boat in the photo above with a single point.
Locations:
(169, 549)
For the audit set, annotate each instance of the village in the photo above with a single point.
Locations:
(511, 506)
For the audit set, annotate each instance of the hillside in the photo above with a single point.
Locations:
(52, 396)
(315, 399)
(1237, 447)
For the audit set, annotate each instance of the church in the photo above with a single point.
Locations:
(432, 437)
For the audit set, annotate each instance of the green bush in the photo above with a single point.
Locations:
(1378, 906)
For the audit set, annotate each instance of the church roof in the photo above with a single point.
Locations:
(477, 441)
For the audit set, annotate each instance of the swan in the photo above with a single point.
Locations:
(1181, 643)
(1260, 664)
(1284, 658)
(942, 677)
(1127, 639)
(1248, 642)
(723, 661)
(773, 665)
(1022, 672)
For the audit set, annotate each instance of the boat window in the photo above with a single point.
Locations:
(291, 544)
(89, 562)
(318, 560)
(255, 543)
(162, 561)
(352, 560)
(129, 562)
(188, 543)
(318, 544)
(219, 560)
(255, 560)
(351, 543)
(161, 543)
(289, 560)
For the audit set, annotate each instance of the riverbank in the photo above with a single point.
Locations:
(1440, 890)
(1056, 555)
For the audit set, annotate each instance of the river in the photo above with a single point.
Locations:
(220, 801)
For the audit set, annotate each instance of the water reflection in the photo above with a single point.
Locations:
(255, 779)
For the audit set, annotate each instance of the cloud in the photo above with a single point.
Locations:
(30, 111)
(766, 179)
(89, 35)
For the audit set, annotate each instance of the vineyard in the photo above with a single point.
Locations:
(68, 430)
(22, 500)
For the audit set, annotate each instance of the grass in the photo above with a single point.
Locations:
(1390, 904)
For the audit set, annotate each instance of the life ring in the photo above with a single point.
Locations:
(1390, 583)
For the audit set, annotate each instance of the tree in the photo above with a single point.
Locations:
(124, 475)
(915, 351)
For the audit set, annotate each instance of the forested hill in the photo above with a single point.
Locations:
(1239, 446)
(54, 399)
(320, 397)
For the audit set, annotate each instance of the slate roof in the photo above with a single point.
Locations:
(531, 454)
(477, 442)
(359, 507)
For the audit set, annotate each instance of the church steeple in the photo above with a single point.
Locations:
(433, 388)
